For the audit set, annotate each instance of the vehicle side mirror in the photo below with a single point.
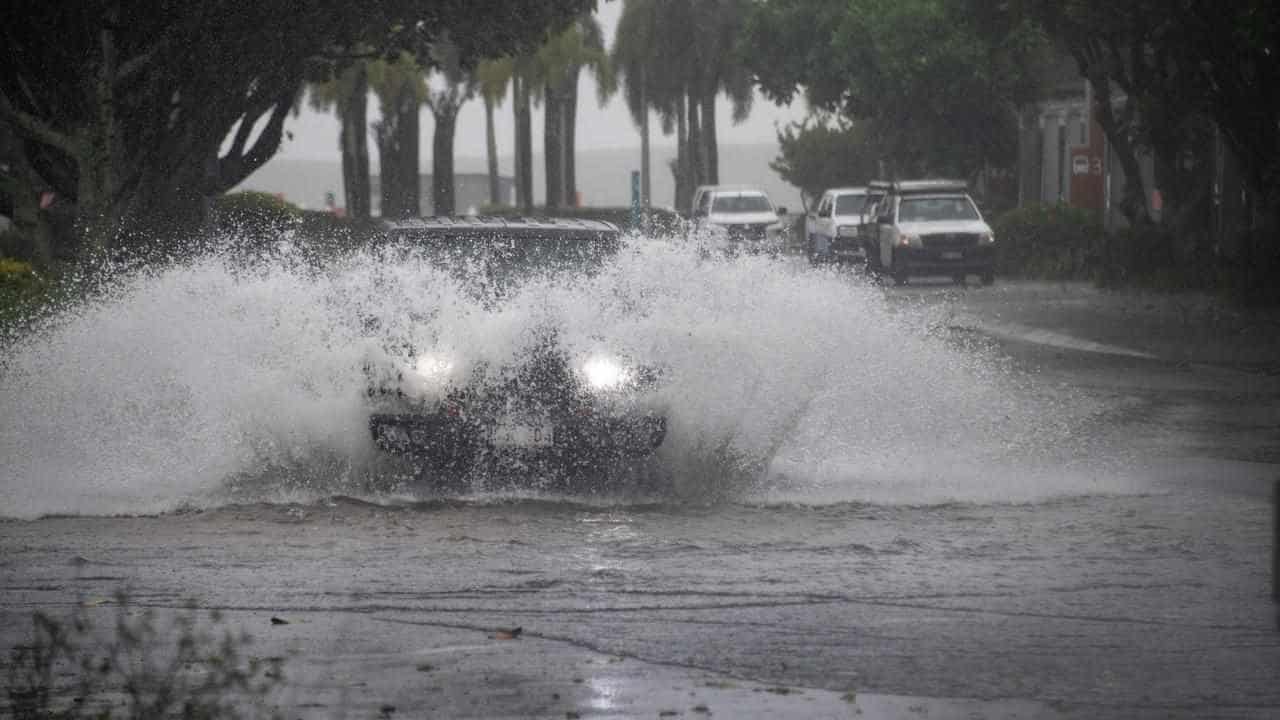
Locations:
(782, 211)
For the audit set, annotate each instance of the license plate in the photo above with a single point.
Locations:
(952, 255)
(522, 434)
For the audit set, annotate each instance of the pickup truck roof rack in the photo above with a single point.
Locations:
(506, 227)
(919, 187)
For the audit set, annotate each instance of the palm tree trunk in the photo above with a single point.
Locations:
(711, 152)
(552, 148)
(569, 130)
(524, 143)
(355, 146)
(491, 147)
(442, 160)
(695, 144)
(644, 144)
(682, 199)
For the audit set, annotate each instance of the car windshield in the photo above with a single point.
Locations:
(502, 261)
(851, 204)
(740, 204)
(934, 209)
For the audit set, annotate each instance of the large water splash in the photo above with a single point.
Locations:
(781, 382)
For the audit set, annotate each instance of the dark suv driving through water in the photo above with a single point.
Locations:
(568, 417)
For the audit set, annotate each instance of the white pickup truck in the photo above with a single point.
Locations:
(744, 216)
(832, 228)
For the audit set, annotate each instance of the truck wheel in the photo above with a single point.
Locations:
(898, 272)
(873, 260)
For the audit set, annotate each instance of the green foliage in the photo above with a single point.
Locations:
(20, 288)
(184, 664)
(1049, 242)
(817, 154)
(933, 86)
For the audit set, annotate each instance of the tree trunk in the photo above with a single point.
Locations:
(442, 160)
(491, 148)
(552, 148)
(410, 181)
(681, 169)
(355, 148)
(524, 143)
(711, 152)
(569, 131)
(1133, 203)
(645, 186)
(695, 166)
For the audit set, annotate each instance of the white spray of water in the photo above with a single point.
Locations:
(780, 382)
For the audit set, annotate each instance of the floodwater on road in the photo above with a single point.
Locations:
(925, 510)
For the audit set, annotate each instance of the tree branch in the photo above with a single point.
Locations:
(232, 169)
(33, 129)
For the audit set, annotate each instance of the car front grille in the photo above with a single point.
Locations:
(747, 232)
(949, 241)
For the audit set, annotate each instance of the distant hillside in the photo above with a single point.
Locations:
(603, 175)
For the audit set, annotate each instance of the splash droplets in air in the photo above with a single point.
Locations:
(779, 382)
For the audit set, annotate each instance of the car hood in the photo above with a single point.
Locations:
(944, 226)
(759, 218)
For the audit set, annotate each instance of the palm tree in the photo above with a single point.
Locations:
(455, 85)
(633, 60)
(401, 87)
(559, 64)
(348, 92)
(493, 76)
(676, 57)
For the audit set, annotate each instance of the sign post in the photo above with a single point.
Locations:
(635, 199)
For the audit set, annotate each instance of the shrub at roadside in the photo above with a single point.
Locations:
(20, 287)
(145, 665)
(254, 213)
(1048, 242)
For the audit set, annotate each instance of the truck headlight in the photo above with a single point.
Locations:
(910, 241)
(986, 239)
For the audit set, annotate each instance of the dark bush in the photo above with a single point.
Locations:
(254, 213)
(1051, 242)
(20, 287)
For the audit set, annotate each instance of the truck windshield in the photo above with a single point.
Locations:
(932, 209)
(851, 204)
(740, 204)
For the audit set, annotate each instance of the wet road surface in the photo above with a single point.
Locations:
(1150, 600)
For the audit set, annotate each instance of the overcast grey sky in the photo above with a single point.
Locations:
(315, 135)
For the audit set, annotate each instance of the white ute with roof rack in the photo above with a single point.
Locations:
(928, 227)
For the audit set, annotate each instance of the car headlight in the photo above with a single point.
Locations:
(909, 241)
(986, 239)
(427, 375)
(847, 231)
(605, 373)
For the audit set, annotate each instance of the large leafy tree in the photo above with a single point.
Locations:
(935, 88)
(823, 152)
(1162, 72)
(141, 112)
